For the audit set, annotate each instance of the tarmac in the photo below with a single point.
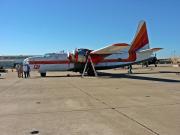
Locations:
(146, 102)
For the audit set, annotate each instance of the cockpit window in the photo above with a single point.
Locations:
(55, 55)
(82, 51)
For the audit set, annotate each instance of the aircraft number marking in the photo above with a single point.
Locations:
(36, 66)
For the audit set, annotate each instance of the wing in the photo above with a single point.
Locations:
(111, 49)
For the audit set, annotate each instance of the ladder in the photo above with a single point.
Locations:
(85, 67)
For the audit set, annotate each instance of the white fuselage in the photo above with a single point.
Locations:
(50, 62)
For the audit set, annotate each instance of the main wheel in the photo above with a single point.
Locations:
(43, 74)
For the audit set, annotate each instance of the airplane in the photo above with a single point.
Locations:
(153, 61)
(112, 56)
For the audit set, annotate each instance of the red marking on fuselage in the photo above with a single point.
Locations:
(50, 62)
(98, 58)
(36, 66)
(76, 56)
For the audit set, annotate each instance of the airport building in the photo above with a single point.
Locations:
(11, 61)
(165, 61)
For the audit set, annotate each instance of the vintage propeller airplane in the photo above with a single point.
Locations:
(113, 56)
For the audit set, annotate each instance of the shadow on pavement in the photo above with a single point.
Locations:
(56, 76)
(133, 76)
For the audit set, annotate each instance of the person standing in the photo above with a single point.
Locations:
(21, 70)
(130, 69)
(25, 69)
(18, 70)
(28, 70)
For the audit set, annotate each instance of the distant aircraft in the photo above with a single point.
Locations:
(151, 61)
(109, 57)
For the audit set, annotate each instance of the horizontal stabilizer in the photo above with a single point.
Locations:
(150, 50)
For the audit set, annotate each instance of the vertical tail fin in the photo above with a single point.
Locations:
(141, 40)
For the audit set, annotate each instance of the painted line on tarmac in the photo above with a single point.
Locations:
(144, 126)
(109, 107)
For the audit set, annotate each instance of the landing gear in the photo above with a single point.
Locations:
(130, 69)
(43, 74)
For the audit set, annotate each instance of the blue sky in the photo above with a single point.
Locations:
(42, 26)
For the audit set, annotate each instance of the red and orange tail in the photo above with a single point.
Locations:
(141, 40)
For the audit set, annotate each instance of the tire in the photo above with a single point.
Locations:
(43, 74)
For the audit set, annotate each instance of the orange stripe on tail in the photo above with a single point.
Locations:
(140, 40)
